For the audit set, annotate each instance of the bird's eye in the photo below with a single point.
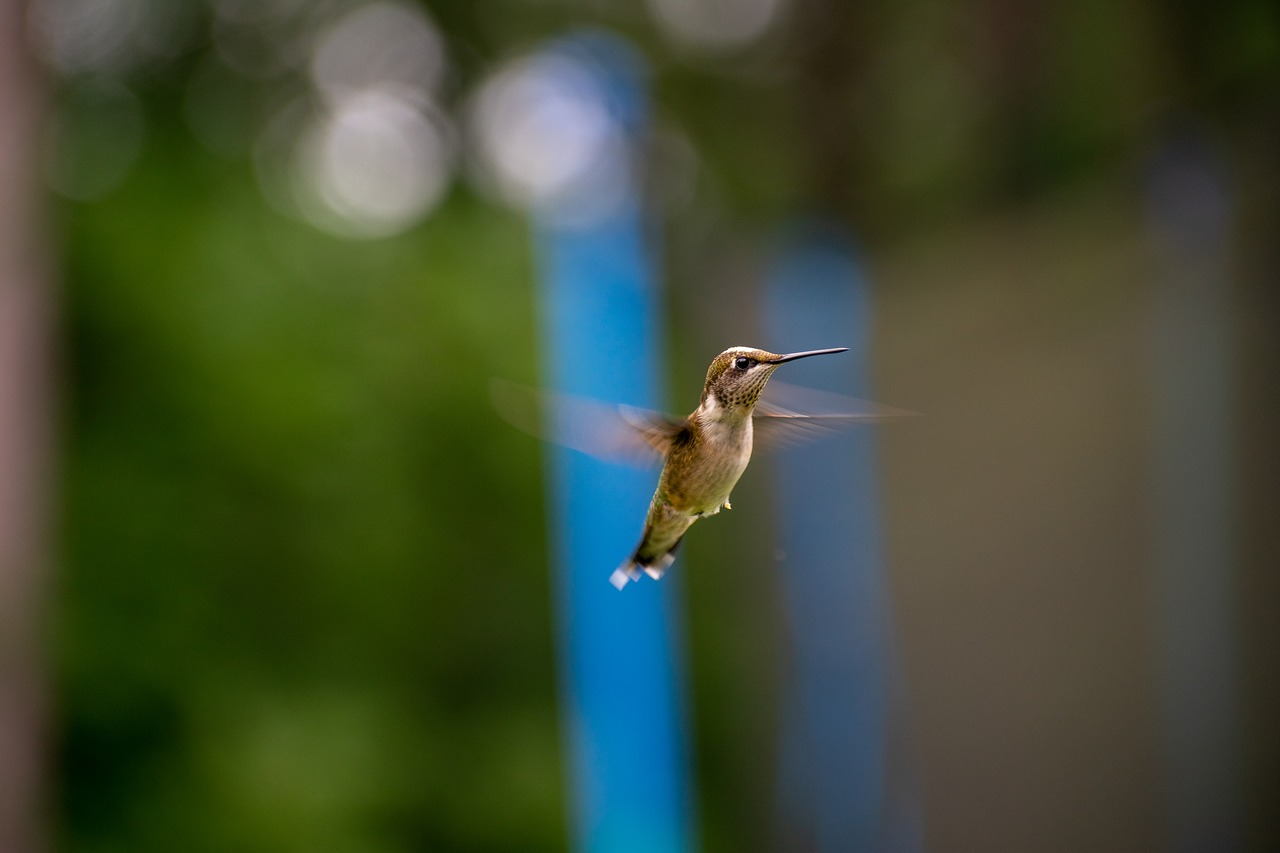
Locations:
(742, 362)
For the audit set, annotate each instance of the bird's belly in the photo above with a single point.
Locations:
(720, 482)
(703, 485)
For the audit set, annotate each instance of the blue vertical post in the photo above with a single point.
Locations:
(621, 698)
(835, 720)
(1193, 343)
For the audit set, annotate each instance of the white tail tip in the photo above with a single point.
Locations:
(624, 574)
(628, 571)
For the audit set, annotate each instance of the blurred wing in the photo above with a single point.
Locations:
(790, 414)
(609, 431)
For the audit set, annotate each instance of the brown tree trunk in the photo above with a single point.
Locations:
(26, 312)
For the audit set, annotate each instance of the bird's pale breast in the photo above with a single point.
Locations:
(700, 475)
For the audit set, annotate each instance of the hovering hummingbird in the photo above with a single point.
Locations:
(704, 453)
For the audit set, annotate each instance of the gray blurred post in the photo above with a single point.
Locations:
(25, 428)
(1195, 548)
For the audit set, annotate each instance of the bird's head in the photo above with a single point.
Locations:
(738, 375)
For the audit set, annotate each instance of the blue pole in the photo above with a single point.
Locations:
(836, 719)
(621, 698)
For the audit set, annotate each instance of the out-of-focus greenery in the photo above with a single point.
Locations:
(303, 601)
(303, 604)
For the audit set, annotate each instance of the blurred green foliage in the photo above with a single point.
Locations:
(303, 604)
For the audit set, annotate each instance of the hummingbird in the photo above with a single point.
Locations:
(705, 453)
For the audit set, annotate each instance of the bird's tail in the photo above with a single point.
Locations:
(631, 569)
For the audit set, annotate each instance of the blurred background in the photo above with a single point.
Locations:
(273, 576)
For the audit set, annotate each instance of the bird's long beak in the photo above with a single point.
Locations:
(794, 355)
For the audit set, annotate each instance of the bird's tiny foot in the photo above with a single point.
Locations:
(727, 504)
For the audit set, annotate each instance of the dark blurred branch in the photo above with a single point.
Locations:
(25, 427)
(831, 52)
(1014, 44)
